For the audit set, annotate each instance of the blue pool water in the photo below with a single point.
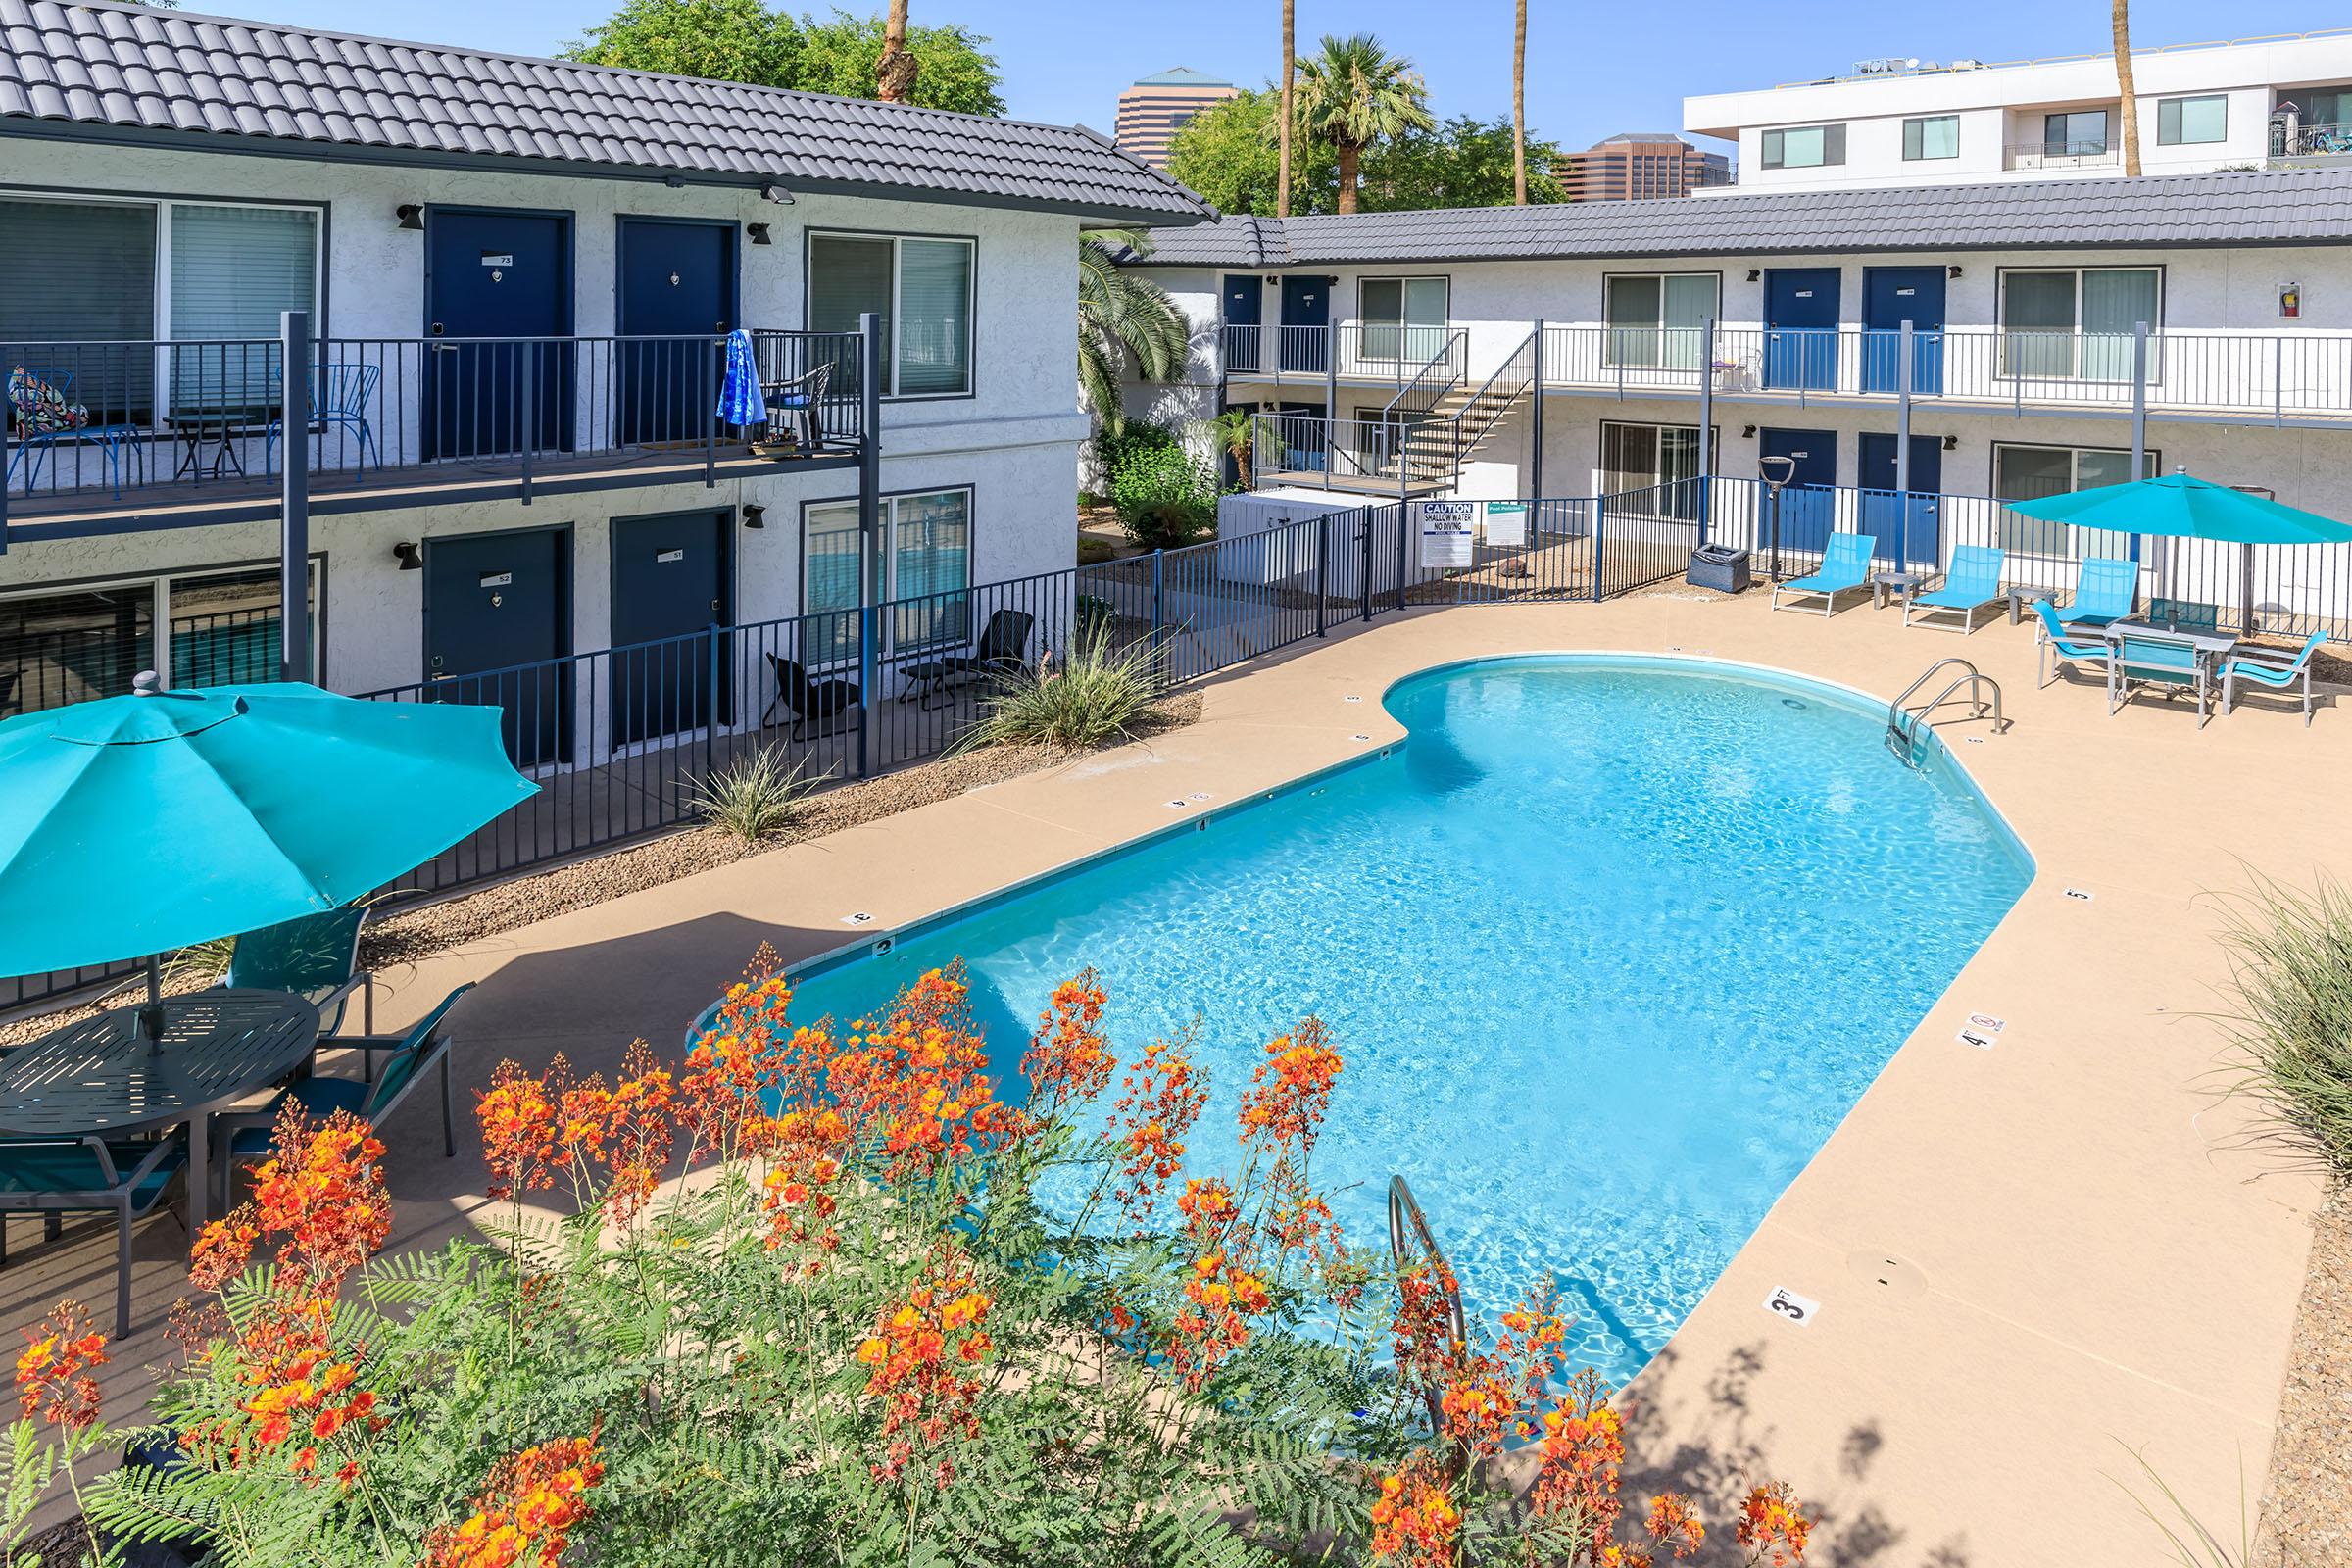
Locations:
(1609, 946)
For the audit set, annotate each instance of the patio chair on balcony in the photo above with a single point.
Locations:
(2105, 591)
(2060, 649)
(340, 396)
(44, 416)
(407, 1058)
(1844, 565)
(92, 1175)
(2272, 671)
(817, 701)
(1973, 583)
(1003, 648)
(798, 400)
(315, 956)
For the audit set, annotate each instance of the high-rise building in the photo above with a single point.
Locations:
(1150, 111)
(1635, 165)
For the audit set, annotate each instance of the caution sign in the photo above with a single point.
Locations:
(1446, 534)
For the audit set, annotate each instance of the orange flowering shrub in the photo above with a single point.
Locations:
(53, 1374)
(527, 1514)
(1415, 1522)
(920, 1356)
(1772, 1525)
(1160, 1099)
(1070, 1062)
(1291, 1092)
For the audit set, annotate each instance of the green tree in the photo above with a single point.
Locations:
(1125, 323)
(1231, 154)
(1354, 94)
(1462, 163)
(743, 40)
(1228, 154)
(726, 40)
(953, 69)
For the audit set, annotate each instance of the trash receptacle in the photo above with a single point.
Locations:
(1719, 567)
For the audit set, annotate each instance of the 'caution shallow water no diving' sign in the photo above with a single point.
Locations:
(1445, 533)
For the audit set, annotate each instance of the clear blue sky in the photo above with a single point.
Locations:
(1592, 68)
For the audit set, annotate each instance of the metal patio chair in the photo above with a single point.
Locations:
(340, 395)
(57, 1176)
(316, 957)
(807, 699)
(1003, 648)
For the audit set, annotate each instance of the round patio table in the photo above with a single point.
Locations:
(102, 1075)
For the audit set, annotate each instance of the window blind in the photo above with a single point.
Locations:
(934, 327)
(233, 271)
(81, 275)
(847, 278)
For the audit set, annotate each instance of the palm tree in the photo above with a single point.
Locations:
(894, 73)
(1234, 431)
(1290, 72)
(1124, 322)
(2121, 17)
(1353, 93)
(1519, 107)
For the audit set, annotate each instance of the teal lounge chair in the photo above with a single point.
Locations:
(2057, 647)
(1973, 583)
(1844, 564)
(313, 956)
(2104, 593)
(245, 1135)
(2270, 673)
(2151, 658)
(121, 1177)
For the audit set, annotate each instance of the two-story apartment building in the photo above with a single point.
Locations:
(2201, 108)
(520, 278)
(1958, 346)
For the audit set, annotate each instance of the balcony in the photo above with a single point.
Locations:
(2296, 145)
(168, 434)
(1353, 353)
(2236, 379)
(2062, 158)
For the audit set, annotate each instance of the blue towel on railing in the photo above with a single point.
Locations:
(739, 399)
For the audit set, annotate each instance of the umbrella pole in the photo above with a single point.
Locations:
(151, 1016)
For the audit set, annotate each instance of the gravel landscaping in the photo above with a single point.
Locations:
(2306, 1509)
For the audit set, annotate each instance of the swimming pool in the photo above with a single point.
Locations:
(1610, 945)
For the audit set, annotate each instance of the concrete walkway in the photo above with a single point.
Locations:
(2029, 1259)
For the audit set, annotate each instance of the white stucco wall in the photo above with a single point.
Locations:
(1014, 441)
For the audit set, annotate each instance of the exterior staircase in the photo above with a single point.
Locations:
(1461, 422)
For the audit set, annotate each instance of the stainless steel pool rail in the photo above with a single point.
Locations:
(1904, 717)
(1408, 1231)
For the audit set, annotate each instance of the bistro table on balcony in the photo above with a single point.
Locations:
(105, 1076)
(225, 423)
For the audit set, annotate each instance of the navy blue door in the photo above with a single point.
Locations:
(1906, 526)
(1244, 319)
(677, 296)
(504, 276)
(497, 611)
(670, 582)
(1810, 500)
(1801, 328)
(1306, 305)
(1891, 296)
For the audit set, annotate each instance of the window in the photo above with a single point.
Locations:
(1405, 317)
(920, 288)
(1804, 147)
(70, 645)
(2076, 323)
(1654, 467)
(91, 286)
(1932, 136)
(2033, 474)
(2075, 134)
(1659, 319)
(2187, 121)
(926, 569)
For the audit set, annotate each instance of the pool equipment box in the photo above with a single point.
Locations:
(1719, 567)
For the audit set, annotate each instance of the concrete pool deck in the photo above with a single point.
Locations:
(2030, 1259)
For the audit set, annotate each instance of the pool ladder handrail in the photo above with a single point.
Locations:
(1905, 718)
(1406, 1225)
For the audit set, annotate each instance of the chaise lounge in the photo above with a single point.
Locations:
(1973, 583)
(1844, 565)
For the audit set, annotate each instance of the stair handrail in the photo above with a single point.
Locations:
(1424, 392)
(1405, 1223)
(1524, 378)
(1904, 720)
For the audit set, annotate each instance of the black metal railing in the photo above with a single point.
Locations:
(125, 421)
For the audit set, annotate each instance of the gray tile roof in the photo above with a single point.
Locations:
(2284, 207)
(98, 68)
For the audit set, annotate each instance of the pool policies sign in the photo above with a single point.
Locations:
(1446, 534)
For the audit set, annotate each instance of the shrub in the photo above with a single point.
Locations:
(2291, 980)
(1166, 498)
(1092, 696)
(1113, 447)
(756, 794)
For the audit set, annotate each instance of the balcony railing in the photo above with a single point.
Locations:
(2062, 155)
(1356, 352)
(98, 425)
(2282, 378)
(2310, 140)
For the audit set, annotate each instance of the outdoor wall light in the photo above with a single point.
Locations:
(410, 214)
(1952, 272)
(409, 554)
(771, 191)
(675, 181)
(1749, 432)
(759, 233)
(1951, 443)
(755, 516)
(1755, 275)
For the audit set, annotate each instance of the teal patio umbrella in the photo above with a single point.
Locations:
(2181, 506)
(136, 826)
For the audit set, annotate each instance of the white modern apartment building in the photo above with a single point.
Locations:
(1909, 123)
(1914, 358)
(520, 277)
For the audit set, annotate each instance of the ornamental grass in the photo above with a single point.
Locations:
(901, 1318)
